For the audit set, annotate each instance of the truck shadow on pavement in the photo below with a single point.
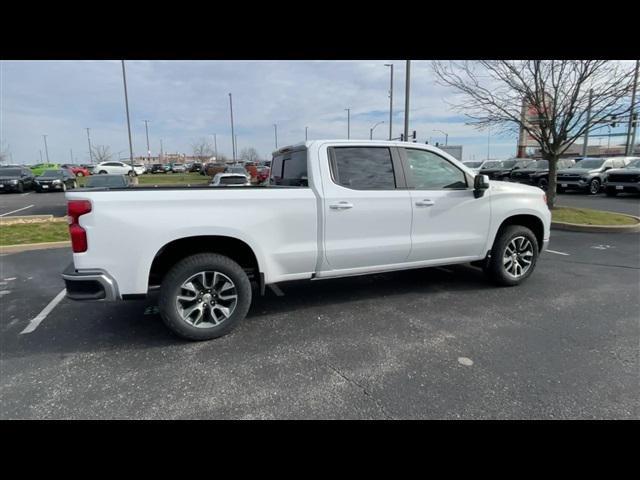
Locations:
(80, 327)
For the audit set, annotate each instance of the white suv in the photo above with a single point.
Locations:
(118, 168)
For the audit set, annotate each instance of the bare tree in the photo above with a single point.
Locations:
(202, 149)
(249, 154)
(495, 93)
(101, 153)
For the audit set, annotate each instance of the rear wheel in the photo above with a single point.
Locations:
(204, 296)
(594, 186)
(102, 172)
(79, 174)
(513, 256)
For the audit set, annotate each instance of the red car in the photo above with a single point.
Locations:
(263, 174)
(77, 170)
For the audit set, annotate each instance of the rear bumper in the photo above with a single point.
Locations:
(89, 285)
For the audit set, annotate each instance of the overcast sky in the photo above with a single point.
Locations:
(188, 100)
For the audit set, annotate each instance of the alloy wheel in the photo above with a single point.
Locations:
(518, 257)
(207, 299)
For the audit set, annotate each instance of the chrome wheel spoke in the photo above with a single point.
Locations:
(196, 302)
(518, 256)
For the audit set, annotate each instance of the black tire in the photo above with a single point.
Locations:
(20, 187)
(495, 269)
(611, 192)
(79, 174)
(132, 173)
(189, 266)
(543, 183)
(594, 186)
(102, 172)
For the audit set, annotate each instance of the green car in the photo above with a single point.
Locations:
(39, 168)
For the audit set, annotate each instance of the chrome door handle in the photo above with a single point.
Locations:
(425, 203)
(341, 206)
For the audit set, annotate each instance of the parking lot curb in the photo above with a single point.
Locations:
(33, 246)
(576, 227)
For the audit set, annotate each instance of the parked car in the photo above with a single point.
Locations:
(140, 168)
(625, 179)
(178, 168)
(502, 170)
(229, 179)
(538, 172)
(108, 181)
(16, 179)
(195, 167)
(263, 174)
(588, 174)
(211, 169)
(77, 170)
(55, 180)
(168, 168)
(39, 168)
(114, 167)
(157, 168)
(475, 165)
(202, 249)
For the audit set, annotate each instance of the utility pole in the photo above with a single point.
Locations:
(489, 144)
(126, 103)
(348, 123)
(40, 156)
(146, 127)
(406, 100)
(71, 151)
(390, 101)
(631, 138)
(46, 150)
(586, 133)
(233, 137)
(275, 126)
(161, 152)
(306, 133)
(215, 146)
(236, 141)
(90, 152)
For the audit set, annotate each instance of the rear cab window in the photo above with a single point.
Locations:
(289, 168)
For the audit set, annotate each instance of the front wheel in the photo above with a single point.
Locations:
(132, 173)
(513, 256)
(204, 296)
(594, 186)
(543, 183)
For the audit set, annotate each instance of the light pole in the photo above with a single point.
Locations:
(489, 144)
(629, 145)
(46, 150)
(146, 127)
(161, 152)
(406, 101)
(348, 123)
(233, 137)
(40, 155)
(306, 133)
(71, 152)
(126, 103)
(372, 129)
(275, 126)
(90, 152)
(390, 101)
(446, 136)
(215, 146)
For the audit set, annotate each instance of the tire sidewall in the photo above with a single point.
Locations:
(591, 183)
(184, 269)
(496, 268)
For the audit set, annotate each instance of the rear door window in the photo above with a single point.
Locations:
(290, 168)
(363, 168)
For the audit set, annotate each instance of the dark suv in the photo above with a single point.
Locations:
(538, 173)
(588, 174)
(501, 170)
(16, 179)
(157, 168)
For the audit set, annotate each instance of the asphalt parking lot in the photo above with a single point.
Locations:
(32, 203)
(429, 343)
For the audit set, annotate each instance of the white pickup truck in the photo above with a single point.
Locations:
(332, 208)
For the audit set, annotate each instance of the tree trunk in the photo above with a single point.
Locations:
(551, 188)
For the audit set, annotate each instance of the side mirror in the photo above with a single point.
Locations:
(480, 184)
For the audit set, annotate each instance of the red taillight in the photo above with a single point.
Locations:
(75, 209)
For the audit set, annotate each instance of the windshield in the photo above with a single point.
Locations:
(237, 170)
(473, 164)
(10, 172)
(591, 163)
(508, 164)
(52, 173)
(541, 164)
(492, 164)
(523, 164)
(634, 164)
(106, 181)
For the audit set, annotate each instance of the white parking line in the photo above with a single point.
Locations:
(25, 194)
(14, 211)
(33, 324)
(557, 253)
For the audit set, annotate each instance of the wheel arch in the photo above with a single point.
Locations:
(234, 248)
(531, 221)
